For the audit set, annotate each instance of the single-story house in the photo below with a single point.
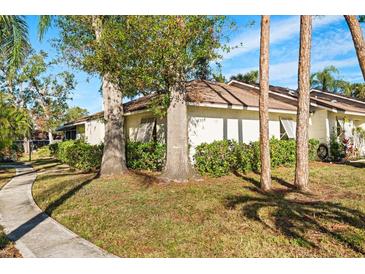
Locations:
(220, 111)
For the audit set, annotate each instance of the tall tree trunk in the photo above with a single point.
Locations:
(26, 145)
(114, 159)
(177, 167)
(302, 165)
(263, 104)
(50, 137)
(358, 39)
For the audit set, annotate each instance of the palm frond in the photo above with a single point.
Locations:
(43, 25)
(14, 40)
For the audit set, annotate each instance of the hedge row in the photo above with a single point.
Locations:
(214, 159)
(147, 156)
(221, 157)
(80, 155)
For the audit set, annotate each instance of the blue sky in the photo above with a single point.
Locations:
(331, 45)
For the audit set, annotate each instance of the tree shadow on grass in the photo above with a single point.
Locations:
(147, 180)
(294, 218)
(355, 164)
(50, 163)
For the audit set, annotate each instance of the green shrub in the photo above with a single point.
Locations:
(79, 154)
(337, 150)
(282, 152)
(43, 151)
(216, 159)
(147, 156)
(221, 157)
(313, 147)
(244, 158)
(53, 148)
(63, 151)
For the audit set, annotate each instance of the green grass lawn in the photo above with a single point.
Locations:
(136, 216)
(7, 248)
(5, 175)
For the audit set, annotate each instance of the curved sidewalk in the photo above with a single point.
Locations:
(34, 232)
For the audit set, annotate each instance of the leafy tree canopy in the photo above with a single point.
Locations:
(250, 77)
(74, 113)
(143, 53)
(329, 80)
(47, 93)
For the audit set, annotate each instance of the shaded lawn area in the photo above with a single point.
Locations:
(7, 248)
(5, 175)
(136, 216)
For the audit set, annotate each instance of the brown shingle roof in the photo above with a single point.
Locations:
(330, 100)
(240, 94)
(339, 102)
(220, 93)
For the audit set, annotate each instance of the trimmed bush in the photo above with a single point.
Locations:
(217, 158)
(337, 150)
(221, 157)
(43, 151)
(313, 148)
(146, 156)
(79, 154)
(53, 148)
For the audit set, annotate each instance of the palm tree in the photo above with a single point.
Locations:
(14, 40)
(14, 122)
(263, 104)
(250, 77)
(358, 90)
(302, 166)
(325, 79)
(358, 39)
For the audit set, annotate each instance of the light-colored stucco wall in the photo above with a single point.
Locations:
(94, 132)
(351, 122)
(319, 126)
(207, 124)
(133, 123)
(210, 124)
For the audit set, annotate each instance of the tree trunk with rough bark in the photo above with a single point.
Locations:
(302, 164)
(358, 38)
(177, 167)
(263, 104)
(114, 156)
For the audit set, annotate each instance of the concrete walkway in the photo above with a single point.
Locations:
(35, 233)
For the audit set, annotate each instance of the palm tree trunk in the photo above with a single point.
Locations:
(302, 165)
(358, 39)
(177, 167)
(114, 157)
(263, 104)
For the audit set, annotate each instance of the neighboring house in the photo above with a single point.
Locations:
(90, 128)
(220, 111)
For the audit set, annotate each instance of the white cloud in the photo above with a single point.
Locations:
(332, 44)
(281, 30)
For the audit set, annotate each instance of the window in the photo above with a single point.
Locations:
(71, 134)
(287, 129)
(147, 130)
